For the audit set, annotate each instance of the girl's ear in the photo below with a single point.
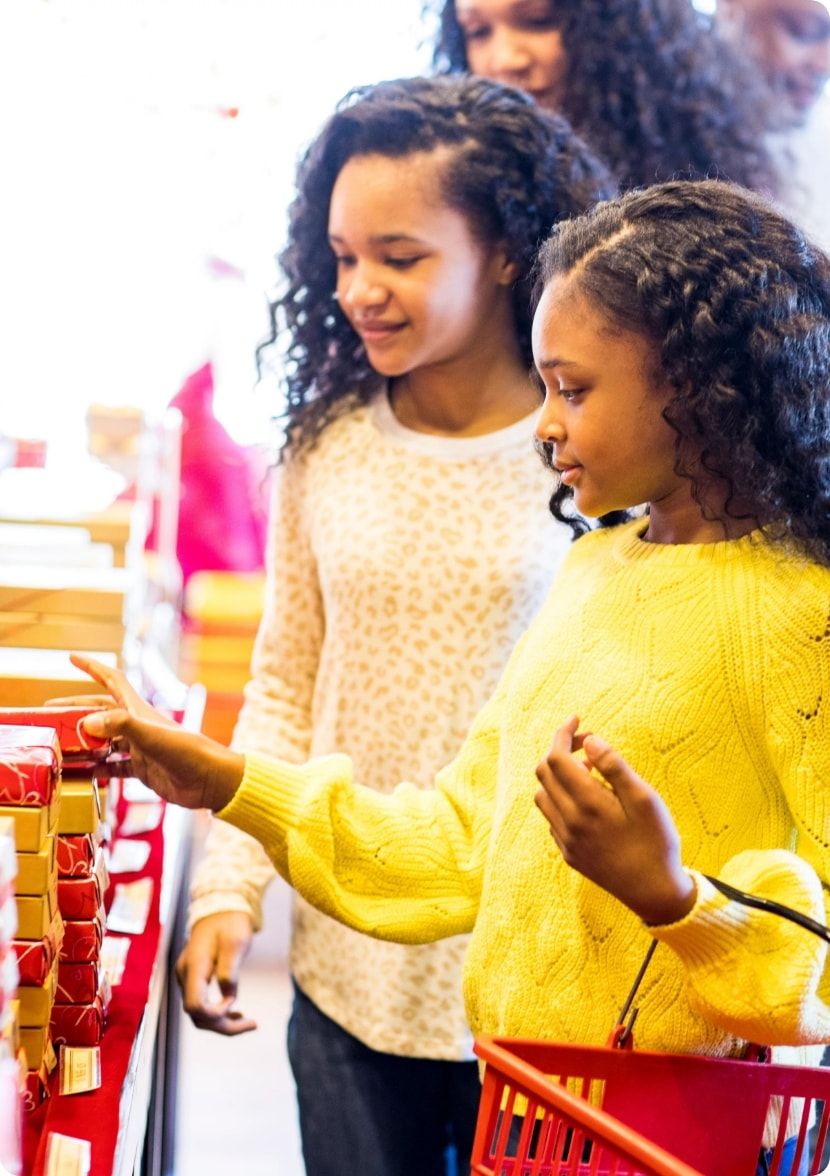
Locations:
(507, 271)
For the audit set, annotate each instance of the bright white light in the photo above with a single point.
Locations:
(128, 178)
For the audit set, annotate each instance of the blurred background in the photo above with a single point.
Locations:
(149, 148)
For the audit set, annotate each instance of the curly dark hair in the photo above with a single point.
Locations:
(737, 303)
(651, 88)
(514, 171)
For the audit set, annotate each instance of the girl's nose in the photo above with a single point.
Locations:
(361, 289)
(549, 426)
(509, 57)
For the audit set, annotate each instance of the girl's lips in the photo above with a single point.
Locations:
(376, 332)
(569, 474)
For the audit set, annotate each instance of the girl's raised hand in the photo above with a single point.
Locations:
(616, 830)
(185, 768)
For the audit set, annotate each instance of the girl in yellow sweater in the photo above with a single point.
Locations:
(683, 337)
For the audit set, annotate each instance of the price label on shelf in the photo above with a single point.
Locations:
(67, 1156)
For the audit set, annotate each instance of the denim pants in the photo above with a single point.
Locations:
(787, 1157)
(364, 1113)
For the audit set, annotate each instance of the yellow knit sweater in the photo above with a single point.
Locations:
(708, 667)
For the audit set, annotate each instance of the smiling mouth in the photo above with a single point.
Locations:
(568, 473)
(371, 332)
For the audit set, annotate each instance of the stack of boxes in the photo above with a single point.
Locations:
(43, 607)
(81, 995)
(222, 611)
(30, 778)
(70, 584)
(11, 1071)
(80, 1011)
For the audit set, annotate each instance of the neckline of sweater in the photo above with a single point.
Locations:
(629, 546)
(453, 448)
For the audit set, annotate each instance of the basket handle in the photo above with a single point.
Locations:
(775, 908)
(621, 1036)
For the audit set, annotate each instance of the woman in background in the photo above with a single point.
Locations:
(645, 82)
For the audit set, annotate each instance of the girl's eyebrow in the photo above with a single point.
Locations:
(554, 361)
(384, 239)
(516, 7)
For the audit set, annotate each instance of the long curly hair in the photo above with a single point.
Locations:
(513, 172)
(736, 302)
(651, 88)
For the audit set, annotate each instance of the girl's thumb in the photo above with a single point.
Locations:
(103, 723)
(609, 762)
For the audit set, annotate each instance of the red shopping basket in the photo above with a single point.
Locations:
(552, 1110)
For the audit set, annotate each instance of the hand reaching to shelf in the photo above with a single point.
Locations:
(185, 768)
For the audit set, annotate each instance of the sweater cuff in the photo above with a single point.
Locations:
(221, 902)
(270, 799)
(708, 930)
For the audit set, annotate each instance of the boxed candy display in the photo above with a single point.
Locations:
(76, 853)
(36, 1001)
(36, 958)
(65, 721)
(81, 1024)
(32, 825)
(78, 984)
(81, 897)
(82, 939)
(35, 1043)
(80, 807)
(37, 872)
(36, 1088)
(30, 764)
(35, 914)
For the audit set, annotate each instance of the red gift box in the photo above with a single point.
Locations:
(82, 939)
(78, 984)
(36, 1088)
(65, 720)
(80, 1024)
(76, 853)
(80, 898)
(30, 763)
(35, 957)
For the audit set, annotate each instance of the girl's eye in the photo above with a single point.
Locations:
(475, 32)
(805, 28)
(539, 22)
(342, 260)
(403, 263)
(570, 394)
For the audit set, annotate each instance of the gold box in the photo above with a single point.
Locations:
(37, 871)
(36, 1004)
(35, 913)
(80, 807)
(32, 825)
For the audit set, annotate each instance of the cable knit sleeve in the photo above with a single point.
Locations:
(755, 973)
(276, 714)
(405, 866)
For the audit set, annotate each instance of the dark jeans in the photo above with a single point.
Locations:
(786, 1168)
(364, 1113)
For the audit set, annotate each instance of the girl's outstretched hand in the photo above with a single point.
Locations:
(616, 830)
(185, 768)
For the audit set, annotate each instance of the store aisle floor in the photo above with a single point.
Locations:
(237, 1109)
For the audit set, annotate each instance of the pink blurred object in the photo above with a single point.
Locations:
(222, 510)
